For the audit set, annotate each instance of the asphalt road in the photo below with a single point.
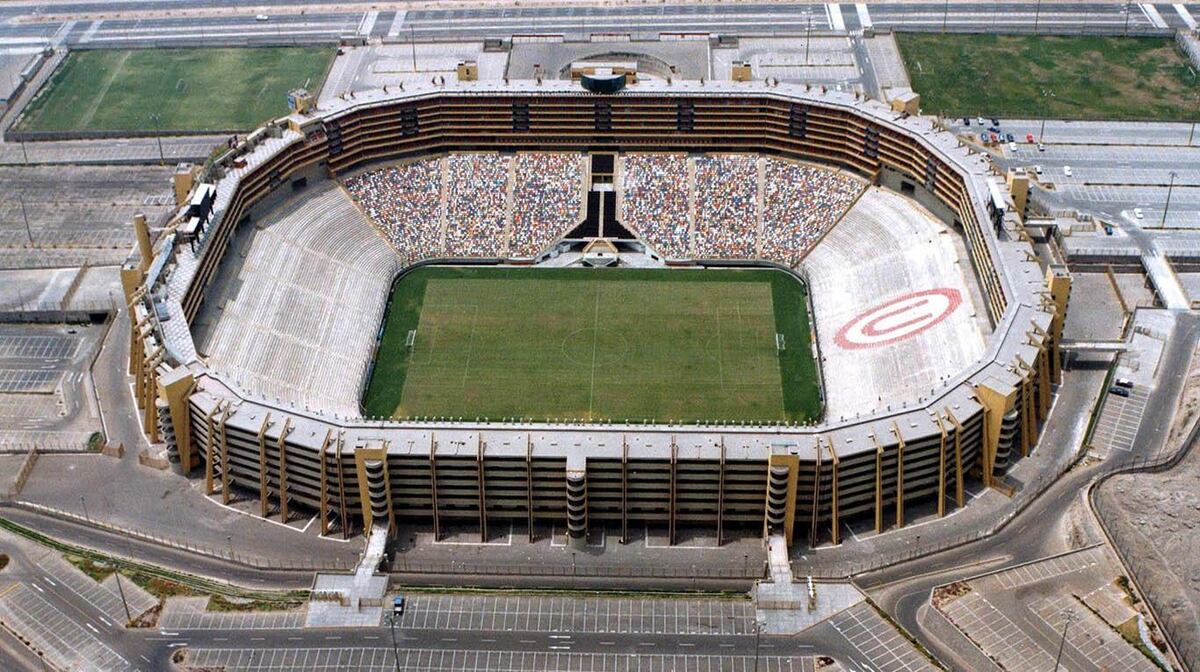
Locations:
(903, 590)
(148, 21)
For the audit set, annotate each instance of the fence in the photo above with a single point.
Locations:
(290, 563)
(1179, 631)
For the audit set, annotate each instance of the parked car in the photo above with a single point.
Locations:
(1037, 169)
(1041, 147)
(1012, 146)
(261, 17)
(1067, 171)
(398, 606)
(1137, 212)
(1119, 391)
(1125, 383)
(1108, 230)
(1029, 138)
(995, 121)
(1010, 137)
(983, 137)
(981, 121)
(966, 121)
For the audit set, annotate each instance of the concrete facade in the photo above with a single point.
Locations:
(796, 480)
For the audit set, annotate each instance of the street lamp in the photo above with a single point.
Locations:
(1046, 93)
(391, 621)
(1062, 642)
(157, 119)
(1170, 187)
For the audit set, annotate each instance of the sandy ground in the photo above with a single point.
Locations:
(1155, 520)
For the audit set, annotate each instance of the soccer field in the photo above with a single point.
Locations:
(642, 345)
(188, 89)
(1059, 77)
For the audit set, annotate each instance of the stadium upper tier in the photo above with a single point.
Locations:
(790, 478)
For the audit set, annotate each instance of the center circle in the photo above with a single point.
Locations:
(601, 346)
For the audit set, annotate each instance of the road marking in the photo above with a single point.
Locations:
(864, 15)
(397, 23)
(368, 23)
(834, 10)
(1152, 15)
(1185, 15)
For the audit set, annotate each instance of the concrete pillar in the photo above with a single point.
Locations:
(142, 230)
(577, 518)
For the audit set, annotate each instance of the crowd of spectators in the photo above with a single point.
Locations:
(547, 197)
(654, 201)
(727, 206)
(405, 203)
(800, 203)
(476, 199)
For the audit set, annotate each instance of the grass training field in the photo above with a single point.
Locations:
(1090, 77)
(190, 89)
(595, 345)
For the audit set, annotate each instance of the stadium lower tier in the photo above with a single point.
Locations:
(580, 478)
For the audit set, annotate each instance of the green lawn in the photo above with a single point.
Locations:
(189, 89)
(1090, 77)
(594, 345)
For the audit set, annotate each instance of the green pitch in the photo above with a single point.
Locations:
(1014, 76)
(641, 345)
(189, 89)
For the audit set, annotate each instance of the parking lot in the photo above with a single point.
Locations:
(568, 614)
(66, 643)
(1090, 637)
(876, 639)
(190, 614)
(996, 634)
(1054, 567)
(439, 660)
(1119, 420)
(106, 600)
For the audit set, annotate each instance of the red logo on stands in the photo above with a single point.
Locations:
(898, 319)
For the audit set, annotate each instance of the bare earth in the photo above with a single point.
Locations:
(1155, 520)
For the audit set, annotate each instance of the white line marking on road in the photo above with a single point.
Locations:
(836, 21)
(397, 23)
(1152, 15)
(1185, 15)
(864, 15)
(92, 628)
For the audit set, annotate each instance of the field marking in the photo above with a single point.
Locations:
(595, 336)
(86, 120)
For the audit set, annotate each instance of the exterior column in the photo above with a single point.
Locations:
(283, 486)
(433, 487)
(262, 465)
(480, 474)
(899, 476)
(878, 484)
(210, 452)
(941, 506)
(836, 518)
(225, 457)
(721, 494)
(324, 498)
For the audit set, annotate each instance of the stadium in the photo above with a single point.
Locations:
(402, 309)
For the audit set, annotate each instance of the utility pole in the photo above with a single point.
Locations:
(395, 649)
(1046, 93)
(1037, 15)
(85, 511)
(157, 119)
(1170, 187)
(945, 14)
(807, 38)
(25, 216)
(757, 635)
(128, 617)
(1062, 642)
(412, 40)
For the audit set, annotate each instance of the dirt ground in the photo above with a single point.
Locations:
(1155, 521)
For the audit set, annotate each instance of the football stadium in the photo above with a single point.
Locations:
(701, 304)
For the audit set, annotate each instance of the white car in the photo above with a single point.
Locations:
(1137, 212)
(981, 121)
(1037, 169)
(1067, 171)
(1041, 147)
(262, 17)
(1012, 147)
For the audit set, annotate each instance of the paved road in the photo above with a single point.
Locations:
(149, 21)
(1032, 534)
